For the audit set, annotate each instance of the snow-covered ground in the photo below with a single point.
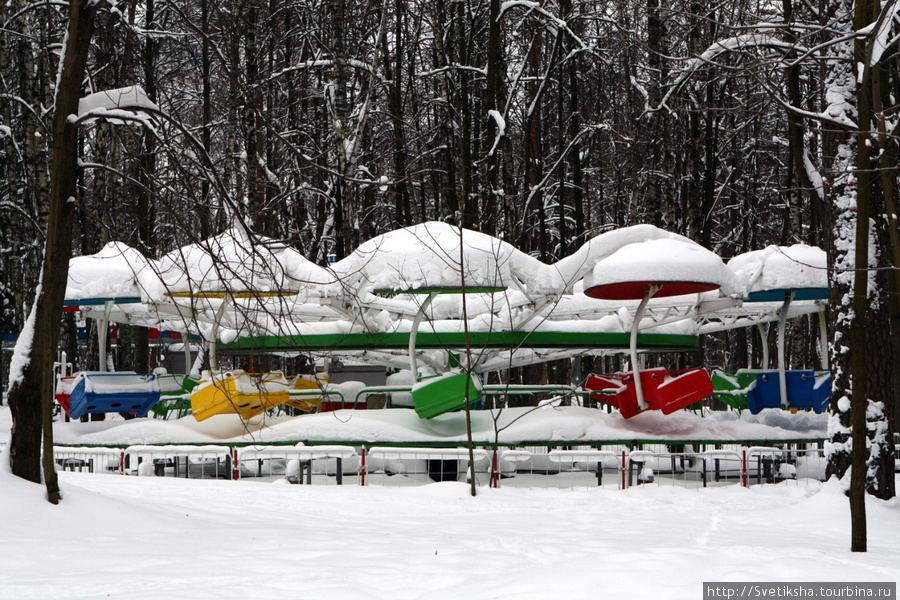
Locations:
(153, 538)
(399, 425)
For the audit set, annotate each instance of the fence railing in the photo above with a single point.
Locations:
(91, 460)
(614, 466)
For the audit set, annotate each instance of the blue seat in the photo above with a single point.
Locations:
(806, 390)
(123, 392)
(809, 390)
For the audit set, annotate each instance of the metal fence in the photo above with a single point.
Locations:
(610, 466)
(90, 460)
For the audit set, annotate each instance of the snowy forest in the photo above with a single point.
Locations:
(322, 124)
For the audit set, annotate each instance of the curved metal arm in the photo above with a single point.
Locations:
(213, 360)
(635, 325)
(414, 330)
(782, 319)
(103, 334)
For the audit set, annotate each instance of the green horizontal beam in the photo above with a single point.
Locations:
(431, 340)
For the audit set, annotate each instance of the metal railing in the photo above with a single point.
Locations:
(299, 464)
(614, 466)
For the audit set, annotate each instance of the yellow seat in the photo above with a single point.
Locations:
(300, 397)
(246, 394)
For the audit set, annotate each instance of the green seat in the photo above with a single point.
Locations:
(176, 385)
(179, 405)
(176, 390)
(731, 388)
(445, 393)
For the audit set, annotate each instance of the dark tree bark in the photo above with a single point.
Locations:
(394, 73)
(30, 396)
(862, 388)
(491, 203)
(206, 109)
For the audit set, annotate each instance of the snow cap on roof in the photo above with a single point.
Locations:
(115, 272)
(644, 253)
(238, 261)
(782, 268)
(427, 257)
(662, 260)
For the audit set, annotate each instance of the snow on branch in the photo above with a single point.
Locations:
(127, 104)
(501, 128)
(757, 39)
(535, 7)
(881, 38)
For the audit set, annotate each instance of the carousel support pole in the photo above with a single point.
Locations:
(103, 334)
(635, 369)
(213, 359)
(414, 329)
(782, 320)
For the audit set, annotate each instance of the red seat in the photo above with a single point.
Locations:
(625, 398)
(661, 391)
(599, 383)
(651, 379)
(682, 391)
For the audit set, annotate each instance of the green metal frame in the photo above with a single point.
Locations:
(432, 340)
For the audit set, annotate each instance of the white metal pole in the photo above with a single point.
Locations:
(103, 334)
(635, 325)
(188, 359)
(414, 329)
(213, 360)
(782, 319)
(763, 329)
(823, 340)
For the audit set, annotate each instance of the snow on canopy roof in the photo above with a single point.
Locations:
(300, 269)
(235, 261)
(427, 257)
(662, 260)
(782, 268)
(114, 272)
(579, 264)
(644, 253)
(126, 103)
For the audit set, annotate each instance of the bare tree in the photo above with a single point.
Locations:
(31, 389)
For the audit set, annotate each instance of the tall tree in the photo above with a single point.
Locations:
(860, 426)
(31, 389)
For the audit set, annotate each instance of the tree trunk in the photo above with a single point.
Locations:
(31, 393)
(492, 202)
(394, 73)
(862, 387)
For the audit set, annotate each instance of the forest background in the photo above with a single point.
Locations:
(324, 123)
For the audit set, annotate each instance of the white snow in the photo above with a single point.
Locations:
(517, 425)
(640, 246)
(427, 256)
(229, 280)
(781, 268)
(881, 41)
(142, 538)
(501, 128)
(126, 104)
(234, 261)
(661, 260)
(21, 356)
(416, 259)
(111, 273)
